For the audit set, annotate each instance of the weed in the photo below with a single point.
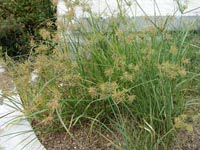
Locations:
(121, 80)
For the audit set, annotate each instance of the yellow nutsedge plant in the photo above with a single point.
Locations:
(180, 123)
(49, 23)
(61, 25)
(127, 76)
(150, 53)
(47, 120)
(108, 72)
(182, 71)
(119, 33)
(22, 75)
(44, 33)
(120, 96)
(134, 68)
(130, 38)
(40, 60)
(170, 70)
(131, 98)
(107, 88)
(117, 96)
(92, 91)
(31, 106)
(151, 29)
(39, 100)
(131, 66)
(41, 48)
(119, 61)
(53, 103)
(56, 37)
(32, 42)
(185, 61)
(173, 50)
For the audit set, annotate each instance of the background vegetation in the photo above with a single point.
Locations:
(20, 23)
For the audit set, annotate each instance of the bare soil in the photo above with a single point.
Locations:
(189, 139)
(83, 140)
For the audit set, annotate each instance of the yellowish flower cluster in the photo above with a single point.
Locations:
(119, 62)
(133, 67)
(92, 91)
(47, 120)
(148, 53)
(130, 38)
(171, 70)
(54, 2)
(180, 123)
(127, 76)
(44, 33)
(108, 72)
(185, 61)
(108, 88)
(173, 50)
(41, 48)
(119, 33)
(111, 90)
(53, 103)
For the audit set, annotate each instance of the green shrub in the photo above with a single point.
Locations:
(20, 22)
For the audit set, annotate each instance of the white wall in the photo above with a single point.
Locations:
(189, 18)
(163, 8)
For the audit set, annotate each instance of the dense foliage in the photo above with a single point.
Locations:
(20, 22)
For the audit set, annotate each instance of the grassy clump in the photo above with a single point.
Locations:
(132, 84)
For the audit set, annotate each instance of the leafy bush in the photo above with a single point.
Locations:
(20, 22)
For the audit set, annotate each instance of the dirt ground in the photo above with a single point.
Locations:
(188, 135)
(82, 140)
